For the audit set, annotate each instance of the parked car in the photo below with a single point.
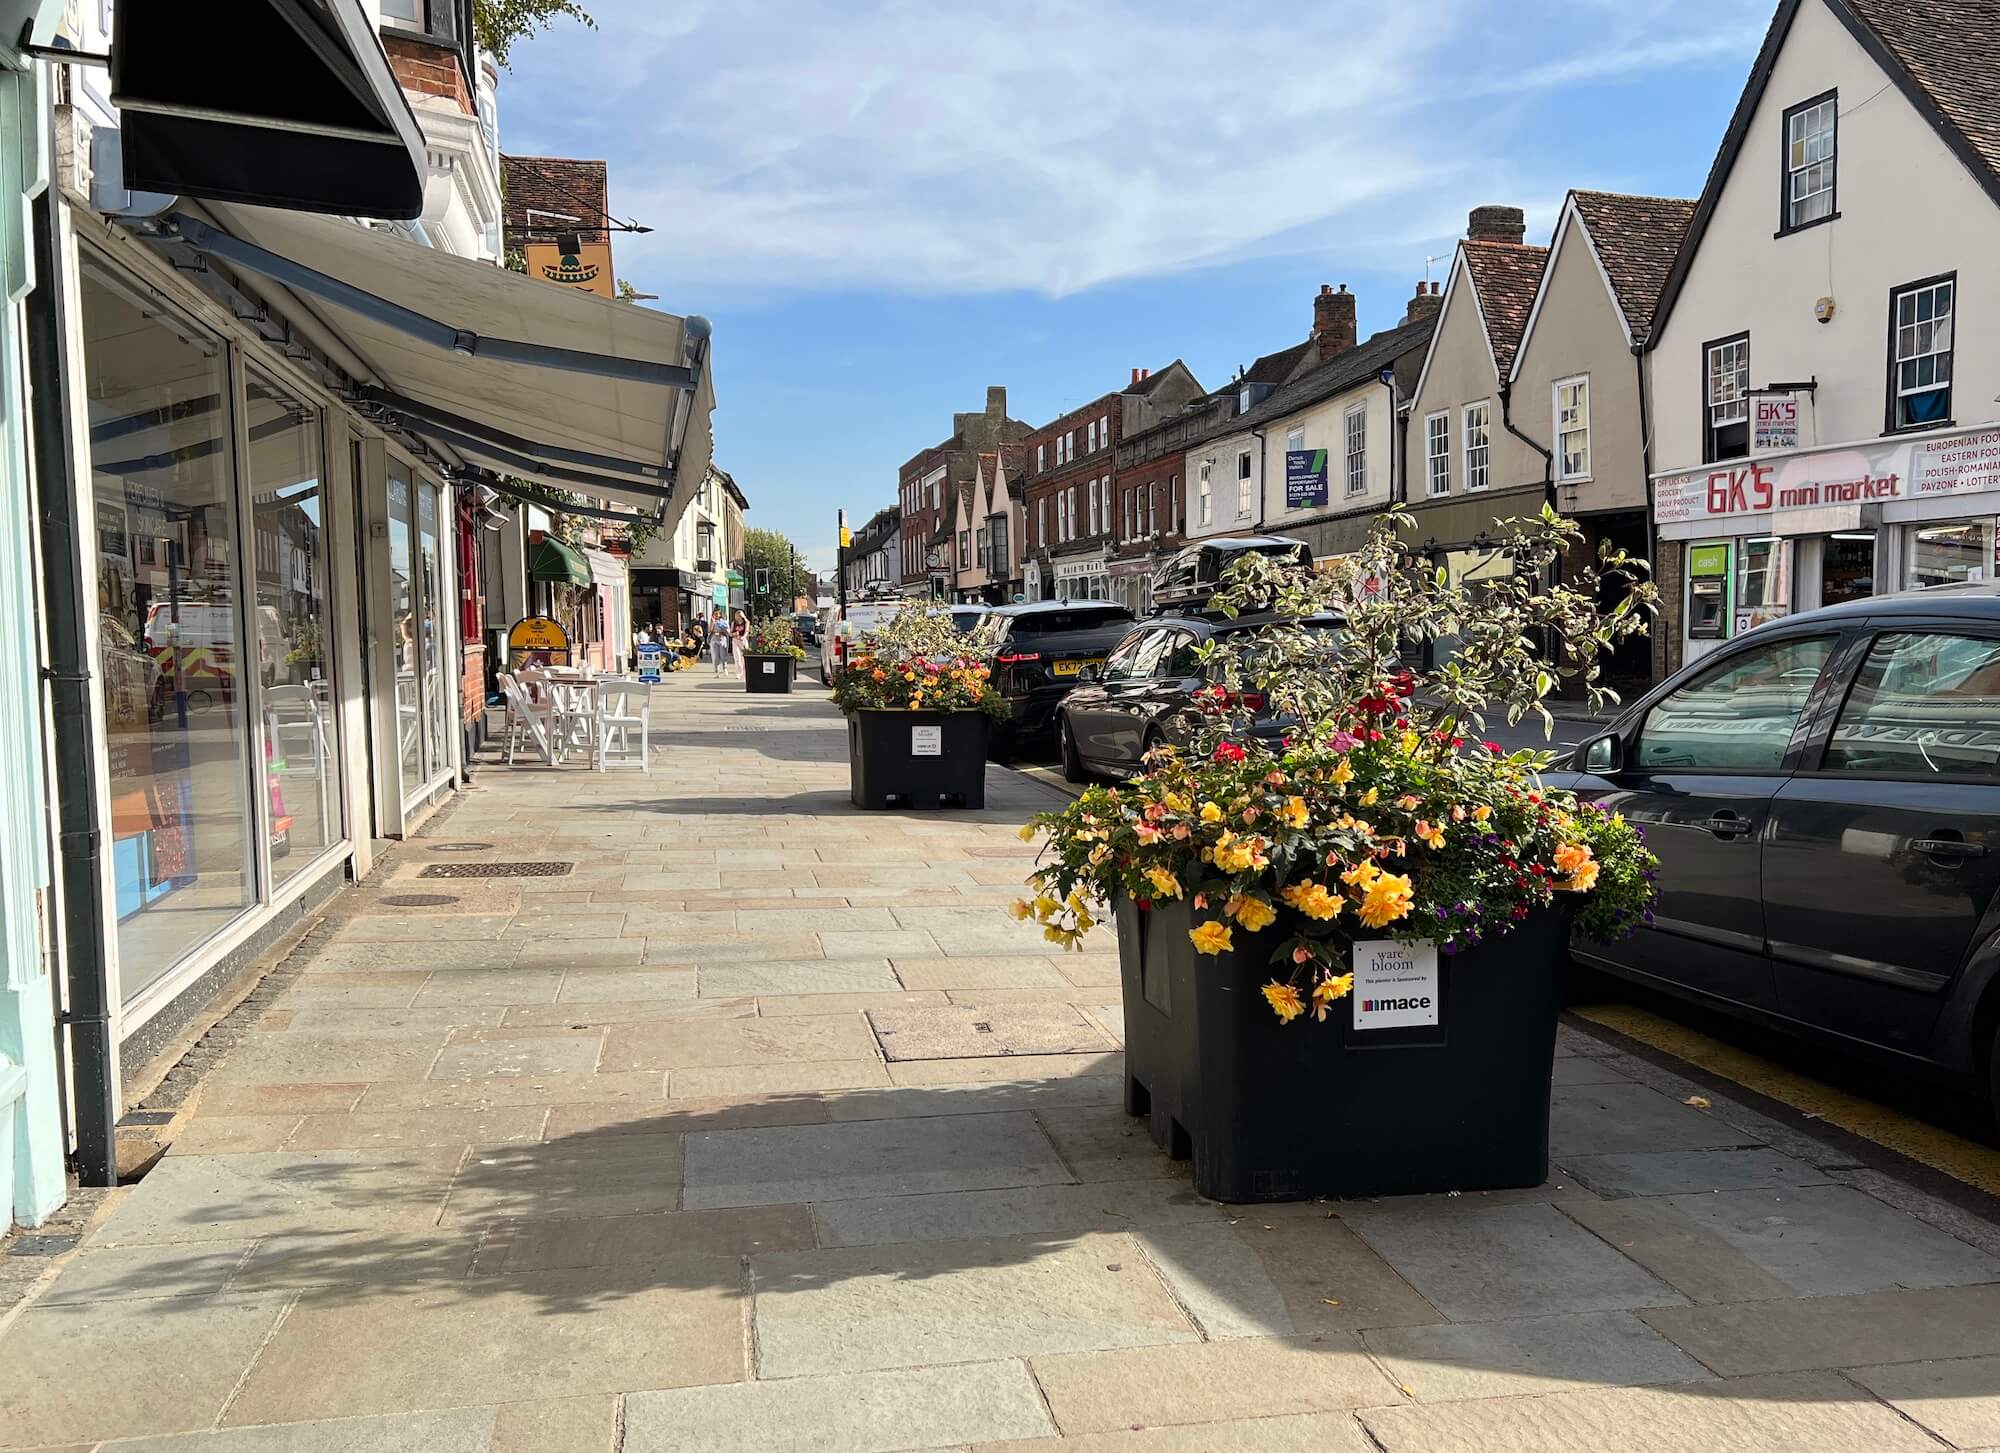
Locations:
(1191, 576)
(839, 633)
(805, 629)
(1038, 652)
(1824, 797)
(1144, 695)
(966, 618)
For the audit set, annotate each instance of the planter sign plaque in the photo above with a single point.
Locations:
(926, 741)
(1395, 985)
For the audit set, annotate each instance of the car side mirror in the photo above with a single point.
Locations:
(1604, 756)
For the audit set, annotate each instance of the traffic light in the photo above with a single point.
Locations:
(763, 580)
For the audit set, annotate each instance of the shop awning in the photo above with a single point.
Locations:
(605, 568)
(551, 384)
(300, 109)
(553, 561)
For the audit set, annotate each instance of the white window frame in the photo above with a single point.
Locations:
(1104, 430)
(1901, 332)
(1207, 473)
(1354, 450)
(1478, 471)
(1040, 464)
(1090, 438)
(1295, 441)
(1245, 477)
(1581, 382)
(1734, 408)
(1094, 517)
(1812, 164)
(1069, 446)
(1437, 453)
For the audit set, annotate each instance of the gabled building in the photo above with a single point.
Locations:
(1819, 436)
(874, 559)
(986, 531)
(927, 493)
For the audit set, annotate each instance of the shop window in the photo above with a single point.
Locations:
(1920, 353)
(1763, 581)
(1572, 402)
(1478, 446)
(1437, 453)
(1726, 395)
(1922, 706)
(1956, 553)
(1810, 129)
(405, 625)
(294, 658)
(172, 633)
(1738, 716)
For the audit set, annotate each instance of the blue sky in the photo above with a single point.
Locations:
(886, 206)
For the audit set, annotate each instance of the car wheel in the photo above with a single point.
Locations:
(1072, 762)
(1146, 749)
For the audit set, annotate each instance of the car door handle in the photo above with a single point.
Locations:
(1725, 824)
(1950, 849)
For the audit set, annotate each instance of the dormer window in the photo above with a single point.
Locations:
(1809, 162)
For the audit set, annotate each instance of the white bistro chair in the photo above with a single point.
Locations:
(623, 712)
(532, 713)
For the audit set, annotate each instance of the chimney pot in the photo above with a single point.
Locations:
(1496, 224)
(1334, 327)
(1135, 375)
(1424, 304)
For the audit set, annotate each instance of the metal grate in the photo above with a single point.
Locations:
(419, 900)
(461, 847)
(496, 870)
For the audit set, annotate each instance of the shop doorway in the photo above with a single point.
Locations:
(1847, 567)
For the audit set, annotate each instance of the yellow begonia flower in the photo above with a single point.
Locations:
(1368, 797)
(1430, 833)
(1047, 907)
(1583, 879)
(1361, 875)
(1253, 913)
(1294, 812)
(1343, 774)
(1027, 832)
(1387, 900)
(1284, 1001)
(1210, 812)
(1211, 938)
(1327, 991)
(1174, 802)
(1411, 741)
(1164, 883)
(1314, 900)
(1022, 910)
(1481, 813)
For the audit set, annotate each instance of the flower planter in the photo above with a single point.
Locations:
(767, 673)
(917, 758)
(1277, 1112)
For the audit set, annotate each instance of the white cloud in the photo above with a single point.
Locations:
(989, 145)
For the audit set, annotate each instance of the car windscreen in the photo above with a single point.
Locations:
(1078, 618)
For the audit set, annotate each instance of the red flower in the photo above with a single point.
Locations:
(1494, 747)
(1229, 752)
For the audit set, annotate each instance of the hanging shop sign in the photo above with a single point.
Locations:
(1775, 424)
(1305, 478)
(587, 267)
(538, 638)
(1746, 489)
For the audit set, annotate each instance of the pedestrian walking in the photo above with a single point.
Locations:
(739, 641)
(718, 643)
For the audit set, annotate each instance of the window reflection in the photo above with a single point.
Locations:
(403, 615)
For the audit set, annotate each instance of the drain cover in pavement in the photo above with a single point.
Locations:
(496, 870)
(419, 900)
(460, 847)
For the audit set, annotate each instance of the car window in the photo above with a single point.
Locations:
(1179, 660)
(1084, 618)
(1922, 705)
(1738, 716)
(1147, 663)
(1122, 663)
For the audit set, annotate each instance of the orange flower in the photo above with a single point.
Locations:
(1388, 899)
(1284, 1001)
(1328, 990)
(1212, 938)
(1430, 834)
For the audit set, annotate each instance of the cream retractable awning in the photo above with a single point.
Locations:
(604, 398)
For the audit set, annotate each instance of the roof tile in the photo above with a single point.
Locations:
(1505, 276)
(1636, 239)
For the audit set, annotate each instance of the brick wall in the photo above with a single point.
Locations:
(427, 69)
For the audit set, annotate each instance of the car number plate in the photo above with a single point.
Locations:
(1070, 668)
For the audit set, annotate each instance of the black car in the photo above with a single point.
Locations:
(1824, 797)
(1144, 695)
(1038, 652)
(1196, 570)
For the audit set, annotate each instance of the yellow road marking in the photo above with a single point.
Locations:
(1963, 1160)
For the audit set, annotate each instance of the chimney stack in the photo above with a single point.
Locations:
(1135, 375)
(1497, 224)
(1333, 321)
(1424, 305)
(996, 401)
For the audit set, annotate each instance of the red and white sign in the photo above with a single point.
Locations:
(1871, 474)
(1777, 423)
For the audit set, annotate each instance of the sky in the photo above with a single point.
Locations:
(885, 206)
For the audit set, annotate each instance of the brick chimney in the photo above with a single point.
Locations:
(1425, 304)
(1497, 224)
(1333, 321)
(996, 398)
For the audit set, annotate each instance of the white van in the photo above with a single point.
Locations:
(837, 637)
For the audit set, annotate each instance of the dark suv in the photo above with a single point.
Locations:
(1038, 652)
(1824, 797)
(1144, 695)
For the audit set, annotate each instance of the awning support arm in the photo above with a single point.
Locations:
(410, 408)
(443, 336)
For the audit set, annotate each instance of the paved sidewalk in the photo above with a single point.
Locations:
(766, 1128)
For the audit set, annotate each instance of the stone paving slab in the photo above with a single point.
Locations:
(1005, 1068)
(125, 1273)
(1805, 1414)
(269, 1059)
(490, 1092)
(956, 1301)
(867, 1412)
(791, 1006)
(625, 1011)
(235, 1134)
(1529, 1356)
(520, 1054)
(1103, 1143)
(813, 976)
(579, 1176)
(395, 1129)
(1676, 1172)
(228, 1197)
(1245, 1276)
(1609, 1118)
(1826, 1332)
(1210, 1382)
(617, 985)
(961, 1033)
(519, 1246)
(717, 1044)
(1678, 1250)
(804, 1078)
(1057, 1211)
(1959, 1400)
(462, 1430)
(793, 1164)
(1303, 1433)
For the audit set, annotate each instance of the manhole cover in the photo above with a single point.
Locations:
(461, 847)
(496, 870)
(418, 900)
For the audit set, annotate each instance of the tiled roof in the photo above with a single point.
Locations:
(1505, 275)
(1273, 368)
(1151, 381)
(1363, 362)
(1637, 239)
(560, 185)
(1951, 49)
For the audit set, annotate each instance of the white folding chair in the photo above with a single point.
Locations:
(623, 710)
(531, 713)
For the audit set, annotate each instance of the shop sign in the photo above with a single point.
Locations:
(539, 636)
(1708, 560)
(587, 269)
(1777, 423)
(652, 656)
(1395, 985)
(1305, 478)
(1868, 474)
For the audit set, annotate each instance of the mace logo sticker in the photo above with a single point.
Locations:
(1395, 985)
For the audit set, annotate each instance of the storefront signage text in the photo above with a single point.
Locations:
(1395, 985)
(1874, 474)
(538, 634)
(1777, 423)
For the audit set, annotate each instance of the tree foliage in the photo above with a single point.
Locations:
(772, 551)
(497, 24)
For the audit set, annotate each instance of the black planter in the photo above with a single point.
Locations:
(1285, 1112)
(917, 758)
(767, 673)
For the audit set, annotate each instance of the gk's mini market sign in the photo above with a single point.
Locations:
(1305, 478)
(1747, 489)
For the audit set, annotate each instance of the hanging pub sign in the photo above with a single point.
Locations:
(1305, 478)
(539, 640)
(587, 268)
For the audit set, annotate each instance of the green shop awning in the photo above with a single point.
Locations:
(554, 561)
